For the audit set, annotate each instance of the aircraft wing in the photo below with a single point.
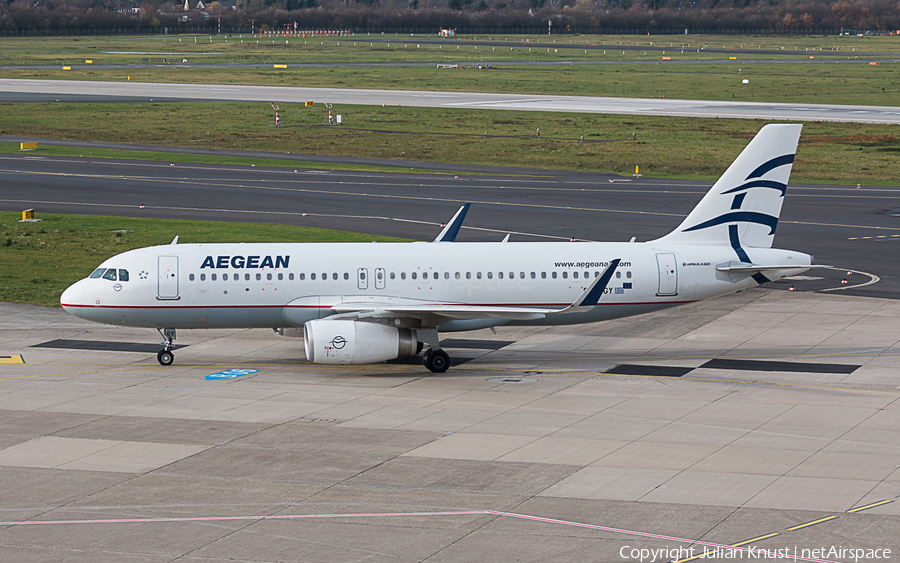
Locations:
(370, 309)
(448, 310)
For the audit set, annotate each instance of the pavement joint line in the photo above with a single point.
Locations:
(811, 523)
(868, 506)
(394, 514)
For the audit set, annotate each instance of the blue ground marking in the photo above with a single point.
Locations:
(230, 374)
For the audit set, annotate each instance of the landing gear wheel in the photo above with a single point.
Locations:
(165, 357)
(437, 361)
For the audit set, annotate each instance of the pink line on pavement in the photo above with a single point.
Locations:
(655, 536)
(221, 518)
(385, 514)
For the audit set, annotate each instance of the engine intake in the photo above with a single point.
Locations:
(355, 342)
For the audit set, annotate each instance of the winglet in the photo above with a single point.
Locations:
(592, 294)
(448, 234)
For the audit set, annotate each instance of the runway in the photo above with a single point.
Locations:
(135, 91)
(848, 228)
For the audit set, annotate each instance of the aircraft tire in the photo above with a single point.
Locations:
(437, 361)
(165, 357)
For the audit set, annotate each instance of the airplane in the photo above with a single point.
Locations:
(361, 303)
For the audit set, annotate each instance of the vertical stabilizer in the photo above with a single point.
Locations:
(743, 206)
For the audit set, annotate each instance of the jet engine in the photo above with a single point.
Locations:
(355, 342)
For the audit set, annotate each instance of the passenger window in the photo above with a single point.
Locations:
(393, 276)
(362, 276)
(424, 275)
(413, 275)
(246, 277)
(533, 275)
(212, 277)
(110, 274)
(269, 277)
(347, 276)
(457, 275)
(123, 275)
(258, 277)
(402, 275)
(478, 275)
(522, 275)
(499, 275)
(334, 276)
(553, 275)
(281, 276)
(565, 275)
(628, 274)
(618, 275)
(324, 277)
(447, 275)
(97, 273)
(543, 275)
(312, 277)
(468, 275)
(490, 275)
(574, 275)
(191, 277)
(379, 275)
(512, 275)
(225, 277)
(596, 274)
(302, 276)
(202, 277)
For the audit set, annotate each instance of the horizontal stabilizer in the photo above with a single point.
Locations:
(749, 268)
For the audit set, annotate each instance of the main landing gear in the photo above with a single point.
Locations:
(437, 361)
(165, 356)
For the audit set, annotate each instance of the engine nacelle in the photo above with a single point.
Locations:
(355, 342)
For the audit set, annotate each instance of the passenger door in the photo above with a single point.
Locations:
(668, 274)
(168, 277)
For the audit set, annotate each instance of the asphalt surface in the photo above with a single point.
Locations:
(842, 226)
(141, 91)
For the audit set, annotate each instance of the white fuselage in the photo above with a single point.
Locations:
(287, 284)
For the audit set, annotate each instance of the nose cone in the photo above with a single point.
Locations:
(73, 298)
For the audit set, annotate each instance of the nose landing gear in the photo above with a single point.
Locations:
(165, 356)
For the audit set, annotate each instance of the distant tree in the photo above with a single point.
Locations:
(482, 6)
(789, 22)
(807, 20)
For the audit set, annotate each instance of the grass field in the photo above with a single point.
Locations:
(39, 260)
(718, 78)
(835, 153)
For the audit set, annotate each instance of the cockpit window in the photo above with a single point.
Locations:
(97, 273)
(123, 275)
(110, 274)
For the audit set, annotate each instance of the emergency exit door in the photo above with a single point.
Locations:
(362, 277)
(668, 274)
(168, 277)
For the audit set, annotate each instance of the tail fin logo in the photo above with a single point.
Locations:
(736, 215)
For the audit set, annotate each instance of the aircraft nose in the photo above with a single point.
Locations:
(72, 298)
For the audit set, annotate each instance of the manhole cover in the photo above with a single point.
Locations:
(512, 380)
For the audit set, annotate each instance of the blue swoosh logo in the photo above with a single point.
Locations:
(760, 184)
(770, 165)
(739, 216)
